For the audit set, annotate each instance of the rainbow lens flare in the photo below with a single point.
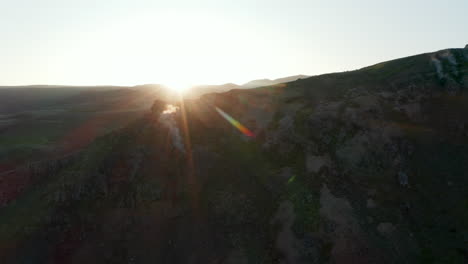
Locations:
(235, 123)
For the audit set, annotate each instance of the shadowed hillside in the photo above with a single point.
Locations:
(367, 166)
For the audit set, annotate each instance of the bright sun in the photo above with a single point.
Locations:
(177, 86)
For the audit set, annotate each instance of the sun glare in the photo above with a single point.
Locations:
(179, 87)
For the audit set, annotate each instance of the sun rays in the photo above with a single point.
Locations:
(178, 87)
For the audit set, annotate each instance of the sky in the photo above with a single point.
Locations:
(174, 42)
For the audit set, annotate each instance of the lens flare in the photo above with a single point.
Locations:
(235, 123)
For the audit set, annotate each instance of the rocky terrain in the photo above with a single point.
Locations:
(366, 166)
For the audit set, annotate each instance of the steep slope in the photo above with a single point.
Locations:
(367, 166)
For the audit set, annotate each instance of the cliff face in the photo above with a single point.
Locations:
(367, 166)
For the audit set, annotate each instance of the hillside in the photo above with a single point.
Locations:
(267, 82)
(366, 166)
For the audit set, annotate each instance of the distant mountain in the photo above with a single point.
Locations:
(266, 82)
(199, 90)
(30, 96)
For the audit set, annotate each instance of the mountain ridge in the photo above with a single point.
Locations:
(266, 82)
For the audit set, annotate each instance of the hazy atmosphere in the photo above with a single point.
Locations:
(91, 42)
(233, 132)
